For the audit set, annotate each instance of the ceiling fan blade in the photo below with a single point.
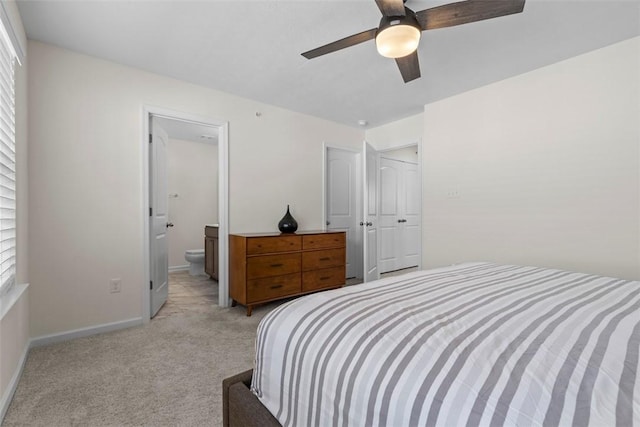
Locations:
(341, 44)
(391, 7)
(464, 12)
(409, 66)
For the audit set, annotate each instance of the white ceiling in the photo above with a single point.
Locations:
(252, 48)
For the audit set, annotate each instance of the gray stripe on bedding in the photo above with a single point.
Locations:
(306, 338)
(503, 359)
(624, 403)
(322, 312)
(497, 318)
(558, 393)
(453, 314)
(371, 313)
(517, 306)
(272, 317)
(515, 377)
(355, 317)
(585, 392)
(262, 333)
(317, 317)
(396, 318)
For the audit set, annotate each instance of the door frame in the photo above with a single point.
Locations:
(358, 190)
(417, 143)
(223, 199)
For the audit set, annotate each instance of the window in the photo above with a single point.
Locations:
(7, 164)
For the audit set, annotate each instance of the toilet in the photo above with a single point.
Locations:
(195, 257)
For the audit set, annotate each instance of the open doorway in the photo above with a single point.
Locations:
(192, 187)
(187, 203)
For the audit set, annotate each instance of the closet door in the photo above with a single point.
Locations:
(400, 219)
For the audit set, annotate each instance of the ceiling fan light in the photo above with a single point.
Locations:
(397, 41)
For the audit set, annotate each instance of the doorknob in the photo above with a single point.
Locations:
(369, 224)
(169, 224)
(361, 223)
(399, 220)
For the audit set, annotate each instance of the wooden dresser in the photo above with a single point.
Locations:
(269, 266)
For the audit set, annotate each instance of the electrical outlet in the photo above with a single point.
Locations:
(115, 286)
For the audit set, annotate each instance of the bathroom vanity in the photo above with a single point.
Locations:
(211, 250)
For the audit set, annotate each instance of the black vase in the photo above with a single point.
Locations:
(288, 224)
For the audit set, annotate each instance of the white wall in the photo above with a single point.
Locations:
(86, 194)
(193, 175)
(396, 134)
(547, 167)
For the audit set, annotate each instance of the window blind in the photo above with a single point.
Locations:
(7, 164)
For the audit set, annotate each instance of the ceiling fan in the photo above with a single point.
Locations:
(399, 31)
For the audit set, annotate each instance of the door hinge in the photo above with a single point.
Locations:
(150, 138)
(151, 284)
(150, 211)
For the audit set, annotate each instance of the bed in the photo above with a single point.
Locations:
(472, 344)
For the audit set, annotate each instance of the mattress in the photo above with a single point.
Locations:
(472, 344)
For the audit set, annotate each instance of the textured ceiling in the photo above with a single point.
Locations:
(252, 48)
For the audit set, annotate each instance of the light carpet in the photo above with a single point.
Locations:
(166, 373)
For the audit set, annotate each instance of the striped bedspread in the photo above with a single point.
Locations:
(473, 344)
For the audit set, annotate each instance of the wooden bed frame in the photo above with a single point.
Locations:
(240, 407)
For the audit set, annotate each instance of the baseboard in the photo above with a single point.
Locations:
(13, 384)
(84, 332)
(179, 268)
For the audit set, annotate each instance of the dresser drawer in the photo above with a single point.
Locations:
(272, 265)
(273, 287)
(314, 260)
(265, 245)
(322, 241)
(325, 278)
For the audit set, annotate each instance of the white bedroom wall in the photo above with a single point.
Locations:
(546, 165)
(86, 193)
(192, 169)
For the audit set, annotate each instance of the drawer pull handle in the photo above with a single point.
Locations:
(325, 258)
(325, 278)
(276, 265)
(276, 286)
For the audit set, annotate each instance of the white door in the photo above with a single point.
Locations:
(399, 224)
(342, 204)
(390, 219)
(159, 201)
(370, 212)
(411, 217)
